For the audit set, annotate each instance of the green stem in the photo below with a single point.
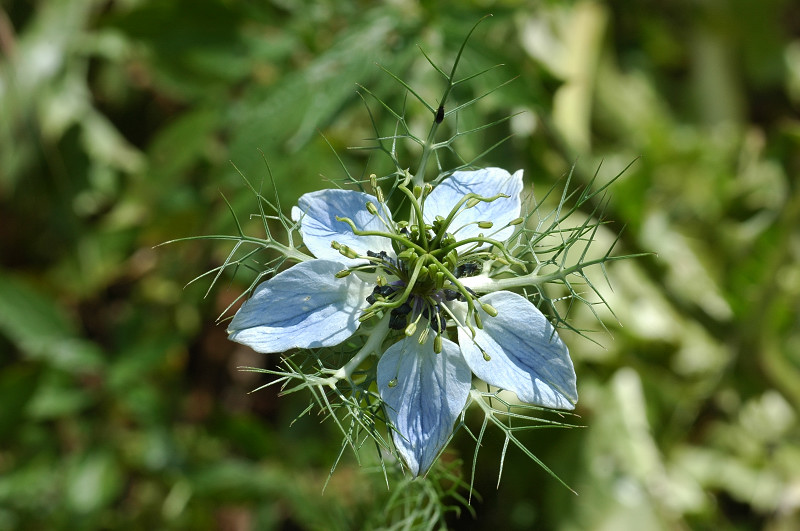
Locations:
(427, 148)
(289, 252)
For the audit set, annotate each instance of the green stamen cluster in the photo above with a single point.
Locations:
(429, 262)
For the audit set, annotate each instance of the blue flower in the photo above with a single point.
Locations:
(414, 279)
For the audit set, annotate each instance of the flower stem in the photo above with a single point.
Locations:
(427, 149)
(439, 114)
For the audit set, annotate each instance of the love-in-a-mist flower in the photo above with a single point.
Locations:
(413, 285)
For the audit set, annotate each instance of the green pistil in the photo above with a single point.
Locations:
(451, 259)
(461, 289)
(398, 301)
(438, 279)
(418, 212)
(479, 240)
(374, 261)
(402, 240)
(422, 258)
(470, 199)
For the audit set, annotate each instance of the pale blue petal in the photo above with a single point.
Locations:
(431, 391)
(526, 355)
(487, 183)
(317, 213)
(305, 306)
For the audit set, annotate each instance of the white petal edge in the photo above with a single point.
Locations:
(487, 182)
(430, 394)
(526, 355)
(305, 306)
(317, 213)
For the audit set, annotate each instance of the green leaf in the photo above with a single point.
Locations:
(57, 396)
(93, 482)
(42, 330)
(17, 385)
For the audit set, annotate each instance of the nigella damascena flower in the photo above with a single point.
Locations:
(408, 283)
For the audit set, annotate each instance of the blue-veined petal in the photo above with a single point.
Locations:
(526, 355)
(305, 306)
(317, 213)
(430, 392)
(487, 183)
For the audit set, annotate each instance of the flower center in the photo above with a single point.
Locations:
(418, 292)
(420, 287)
(424, 277)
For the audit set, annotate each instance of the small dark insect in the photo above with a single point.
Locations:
(440, 114)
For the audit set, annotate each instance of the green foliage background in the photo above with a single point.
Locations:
(120, 403)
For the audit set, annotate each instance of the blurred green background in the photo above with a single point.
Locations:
(120, 403)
